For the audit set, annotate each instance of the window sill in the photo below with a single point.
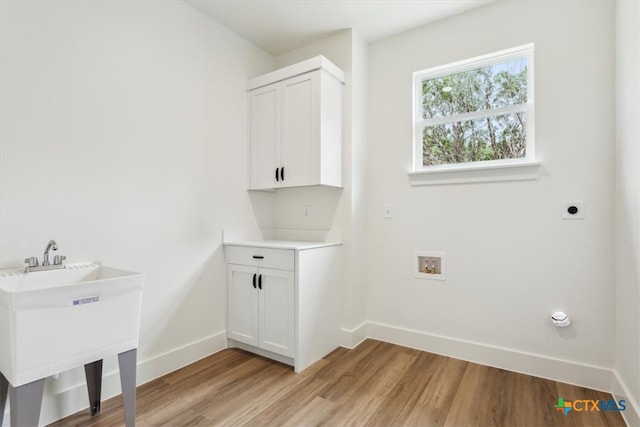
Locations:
(457, 174)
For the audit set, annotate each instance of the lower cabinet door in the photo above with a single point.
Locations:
(277, 316)
(242, 304)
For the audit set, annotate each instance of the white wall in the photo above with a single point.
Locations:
(511, 260)
(124, 138)
(356, 314)
(338, 210)
(627, 205)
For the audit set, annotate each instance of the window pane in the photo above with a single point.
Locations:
(491, 138)
(485, 88)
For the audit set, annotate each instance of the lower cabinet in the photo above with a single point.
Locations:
(284, 304)
(261, 307)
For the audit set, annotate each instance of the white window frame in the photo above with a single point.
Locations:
(489, 170)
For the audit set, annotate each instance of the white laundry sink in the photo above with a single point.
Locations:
(52, 321)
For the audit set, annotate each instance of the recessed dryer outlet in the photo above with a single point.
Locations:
(429, 265)
(573, 210)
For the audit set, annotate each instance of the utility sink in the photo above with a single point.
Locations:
(52, 321)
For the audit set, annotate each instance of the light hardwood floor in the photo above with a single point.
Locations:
(376, 384)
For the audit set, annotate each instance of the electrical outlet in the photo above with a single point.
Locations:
(387, 211)
(572, 210)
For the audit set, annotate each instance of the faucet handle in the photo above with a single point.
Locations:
(57, 260)
(31, 261)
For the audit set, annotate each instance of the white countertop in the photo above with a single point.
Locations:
(282, 244)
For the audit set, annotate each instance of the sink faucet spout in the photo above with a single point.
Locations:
(51, 245)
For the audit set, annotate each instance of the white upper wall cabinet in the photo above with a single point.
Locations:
(295, 126)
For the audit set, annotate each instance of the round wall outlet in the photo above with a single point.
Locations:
(572, 210)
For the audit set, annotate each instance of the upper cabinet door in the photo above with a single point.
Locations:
(295, 126)
(264, 137)
(298, 150)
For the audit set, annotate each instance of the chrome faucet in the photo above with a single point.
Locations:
(31, 263)
(51, 245)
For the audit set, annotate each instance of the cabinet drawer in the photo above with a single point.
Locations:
(280, 259)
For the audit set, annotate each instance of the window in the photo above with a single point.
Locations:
(475, 113)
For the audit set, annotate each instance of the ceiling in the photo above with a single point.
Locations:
(279, 26)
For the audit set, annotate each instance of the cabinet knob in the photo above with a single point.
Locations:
(282, 173)
(258, 257)
(277, 177)
(260, 281)
(254, 280)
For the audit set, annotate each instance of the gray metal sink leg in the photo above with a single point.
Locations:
(127, 363)
(93, 374)
(4, 390)
(26, 402)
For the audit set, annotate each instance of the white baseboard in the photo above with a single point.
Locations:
(179, 357)
(620, 391)
(73, 399)
(583, 375)
(351, 338)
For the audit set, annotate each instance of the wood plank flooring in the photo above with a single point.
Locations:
(376, 384)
